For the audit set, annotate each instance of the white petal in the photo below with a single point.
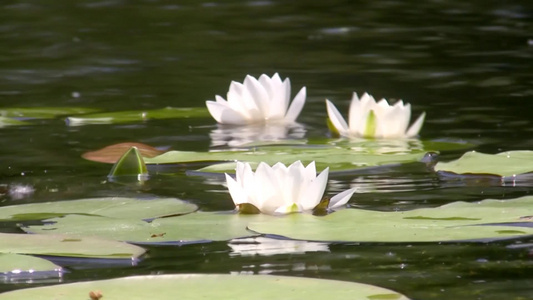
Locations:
(313, 191)
(296, 106)
(341, 198)
(417, 125)
(258, 94)
(355, 113)
(394, 122)
(238, 195)
(336, 118)
(225, 115)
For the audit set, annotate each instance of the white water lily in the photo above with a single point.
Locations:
(375, 120)
(280, 189)
(257, 101)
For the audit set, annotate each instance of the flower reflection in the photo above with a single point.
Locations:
(280, 189)
(266, 246)
(386, 146)
(371, 119)
(257, 101)
(234, 136)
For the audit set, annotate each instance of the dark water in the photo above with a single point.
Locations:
(467, 64)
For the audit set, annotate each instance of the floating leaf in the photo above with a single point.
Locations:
(130, 164)
(202, 286)
(191, 228)
(138, 115)
(111, 154)
(336, 158)
(458, 221)
(502, 164)
(108, 207)
(67, 246)
(15, 264)
(43, 112)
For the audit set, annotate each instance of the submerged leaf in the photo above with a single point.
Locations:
(138, 115)
(11, 122)
(43, 112)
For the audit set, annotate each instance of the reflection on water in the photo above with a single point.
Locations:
(267, 246)
(259, 134)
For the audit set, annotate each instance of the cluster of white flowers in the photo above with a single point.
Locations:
(266, 100)
(280, 189)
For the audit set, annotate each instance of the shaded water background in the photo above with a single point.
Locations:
(467, 64)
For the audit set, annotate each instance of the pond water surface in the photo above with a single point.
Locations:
(467, 64)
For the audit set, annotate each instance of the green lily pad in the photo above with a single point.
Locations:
(108, 207)
(458, 221)
(11, 263)
(191, 228)
(336, 158)
(67, 246)
(502, 164)
(138, 115)
(201, 286)
(43, 112)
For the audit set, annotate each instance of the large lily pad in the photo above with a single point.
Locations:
(67, 246)
(197, 286)
(191, 228)
(458, 221)
(138, 115)
(336, 158)
(108, 207)
(15, 264)
(502, 164)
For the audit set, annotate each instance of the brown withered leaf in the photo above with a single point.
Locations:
(111, 154)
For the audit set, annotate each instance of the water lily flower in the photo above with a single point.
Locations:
(257, 101)
(369, 119)
(280, 189)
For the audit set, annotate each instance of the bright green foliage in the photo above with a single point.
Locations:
(43, 112)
